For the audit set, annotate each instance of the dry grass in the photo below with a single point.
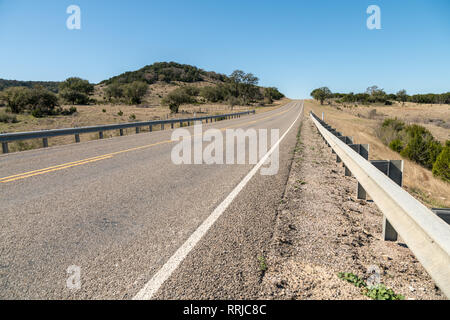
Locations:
(420, 182)
(93, 115)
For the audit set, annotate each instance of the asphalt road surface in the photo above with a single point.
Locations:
(119, 210)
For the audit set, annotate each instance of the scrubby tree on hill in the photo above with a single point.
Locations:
(135, 91)
(76, 90)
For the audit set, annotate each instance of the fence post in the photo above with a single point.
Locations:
(5, 147)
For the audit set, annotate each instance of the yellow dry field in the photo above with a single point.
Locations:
(361, 124)
(109, 114)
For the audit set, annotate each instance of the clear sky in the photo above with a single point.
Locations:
(294, 45)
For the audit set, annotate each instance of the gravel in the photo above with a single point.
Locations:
(322, 229)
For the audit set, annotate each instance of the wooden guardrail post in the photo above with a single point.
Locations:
(100, 135)
(45, 142)
(77, 138)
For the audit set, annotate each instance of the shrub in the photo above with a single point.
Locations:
(176, 98)
(213, 94)
(8, 118)
(120, 113)
(68, 112)
(396, 145)
(114, 90)
(16, 98)
(135, 91)
(411, 141)
(76, 90)
(441, 167)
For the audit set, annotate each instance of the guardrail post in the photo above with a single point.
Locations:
(121, 132)
(162, 126)
(45, 142)
(77, 138)
(394, 170)
(137, 130)
(443, 213)
(346, 140)
(5, 147)
(150, 128)
(100, 135)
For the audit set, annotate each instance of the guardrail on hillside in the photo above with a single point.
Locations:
(45, 134)
(427, 235)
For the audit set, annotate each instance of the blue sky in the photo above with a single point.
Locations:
(293, 45)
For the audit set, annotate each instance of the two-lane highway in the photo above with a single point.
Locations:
(119, 209)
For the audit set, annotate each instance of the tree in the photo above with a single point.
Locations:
(38, 100)
(15, 98)
(402, 96)
(441, 167)
(176, 98)
(114, 90)
(272, 93)
(135, 91)
(42, 102)
(321, 94)
(76, 90)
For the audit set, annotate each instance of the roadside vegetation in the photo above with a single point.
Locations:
(378, 292)
(413, 141)
(416, 143)
(374, 94)
(364, 124)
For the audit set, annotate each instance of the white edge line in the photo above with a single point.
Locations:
(153, 285)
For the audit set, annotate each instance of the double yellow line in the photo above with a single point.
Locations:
(105, 156)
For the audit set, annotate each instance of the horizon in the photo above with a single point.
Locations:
(409, 52)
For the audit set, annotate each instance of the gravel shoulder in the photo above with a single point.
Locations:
(321, 229)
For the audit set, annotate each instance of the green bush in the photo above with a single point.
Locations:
(176, 98)
(396, 145)
(8, 118)
(68, 112)
(135, 91)
(411, 141)
(76, 90)
(441, 167)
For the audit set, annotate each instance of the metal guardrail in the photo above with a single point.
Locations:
(45, 134)
(427, 235)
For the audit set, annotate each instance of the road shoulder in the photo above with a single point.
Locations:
(321, 229)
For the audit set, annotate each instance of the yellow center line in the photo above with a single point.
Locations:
(106, 156)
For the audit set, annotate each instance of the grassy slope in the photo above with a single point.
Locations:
(418, 181)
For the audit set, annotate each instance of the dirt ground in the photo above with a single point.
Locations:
(418, 181)
(322, 229)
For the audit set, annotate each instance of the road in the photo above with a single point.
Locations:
(120, 209)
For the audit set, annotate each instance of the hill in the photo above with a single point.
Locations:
(49, 85)
(167, 72)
